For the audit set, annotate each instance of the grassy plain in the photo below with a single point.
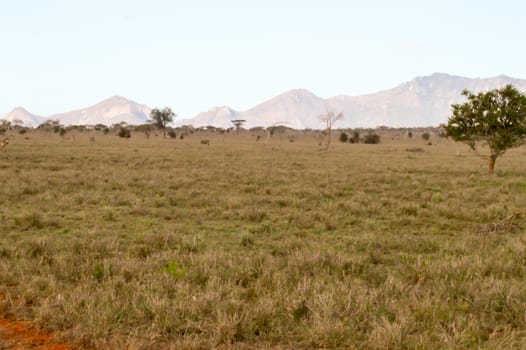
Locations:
(147, 244)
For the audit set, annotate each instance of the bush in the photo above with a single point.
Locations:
(22, 131)
(410, 134)
(62, 132)
(124, 133)
(355, 137)
(371, 138)
(426, 136)
(2, 130)
(344, 137)
(172, 134)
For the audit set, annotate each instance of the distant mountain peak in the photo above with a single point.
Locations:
(298, 94)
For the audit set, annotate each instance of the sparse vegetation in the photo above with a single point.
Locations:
(239, 246)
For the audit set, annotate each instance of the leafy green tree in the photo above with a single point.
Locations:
(496, 119)
(161, 118)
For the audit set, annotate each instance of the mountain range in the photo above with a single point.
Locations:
(110, 111)
(423, 101)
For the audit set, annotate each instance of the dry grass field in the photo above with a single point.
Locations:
(159, 244)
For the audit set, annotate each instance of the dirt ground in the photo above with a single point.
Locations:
(23, 335)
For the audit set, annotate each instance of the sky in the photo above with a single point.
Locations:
(60, 55)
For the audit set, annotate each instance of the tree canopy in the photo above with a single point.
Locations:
(161, 118)
(495, 118)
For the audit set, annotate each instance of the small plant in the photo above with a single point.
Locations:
(98, 272)
(344, 137)
(174, 270)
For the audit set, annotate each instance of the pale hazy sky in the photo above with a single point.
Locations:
(58, 55)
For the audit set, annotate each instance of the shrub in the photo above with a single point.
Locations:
(62, 132)
(173, 269)
(426, 136)
(355, 137)
(124, 133)
(371, 138)
(172, 134)
(344, 137)
(22, 131)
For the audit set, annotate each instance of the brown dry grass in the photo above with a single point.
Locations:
(173, 244)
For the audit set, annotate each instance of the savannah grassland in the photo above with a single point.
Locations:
(152, 244)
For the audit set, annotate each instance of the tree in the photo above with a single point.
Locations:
(161, 118)
(145, 128)
(344, 137)
(496, 119)
(355, 138)
(238, 123)
(329, 119)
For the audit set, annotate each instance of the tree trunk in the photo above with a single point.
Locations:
(491, 163)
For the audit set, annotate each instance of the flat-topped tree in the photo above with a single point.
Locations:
(238, 123)
(161, 118)
(496, 118)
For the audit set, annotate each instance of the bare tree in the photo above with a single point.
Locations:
(271, 129)
(329, 119)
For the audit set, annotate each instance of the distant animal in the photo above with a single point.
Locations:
(205, 142)
(4, 143)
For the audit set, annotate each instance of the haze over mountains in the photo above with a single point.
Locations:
(423, 101)
(110, 111)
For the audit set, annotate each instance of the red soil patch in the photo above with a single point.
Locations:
(23, 335)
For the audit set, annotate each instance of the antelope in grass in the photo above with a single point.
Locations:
(4, 143)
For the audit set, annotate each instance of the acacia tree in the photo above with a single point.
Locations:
(496, 118)
(329, 119)
(161, 118)
(238, 124)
